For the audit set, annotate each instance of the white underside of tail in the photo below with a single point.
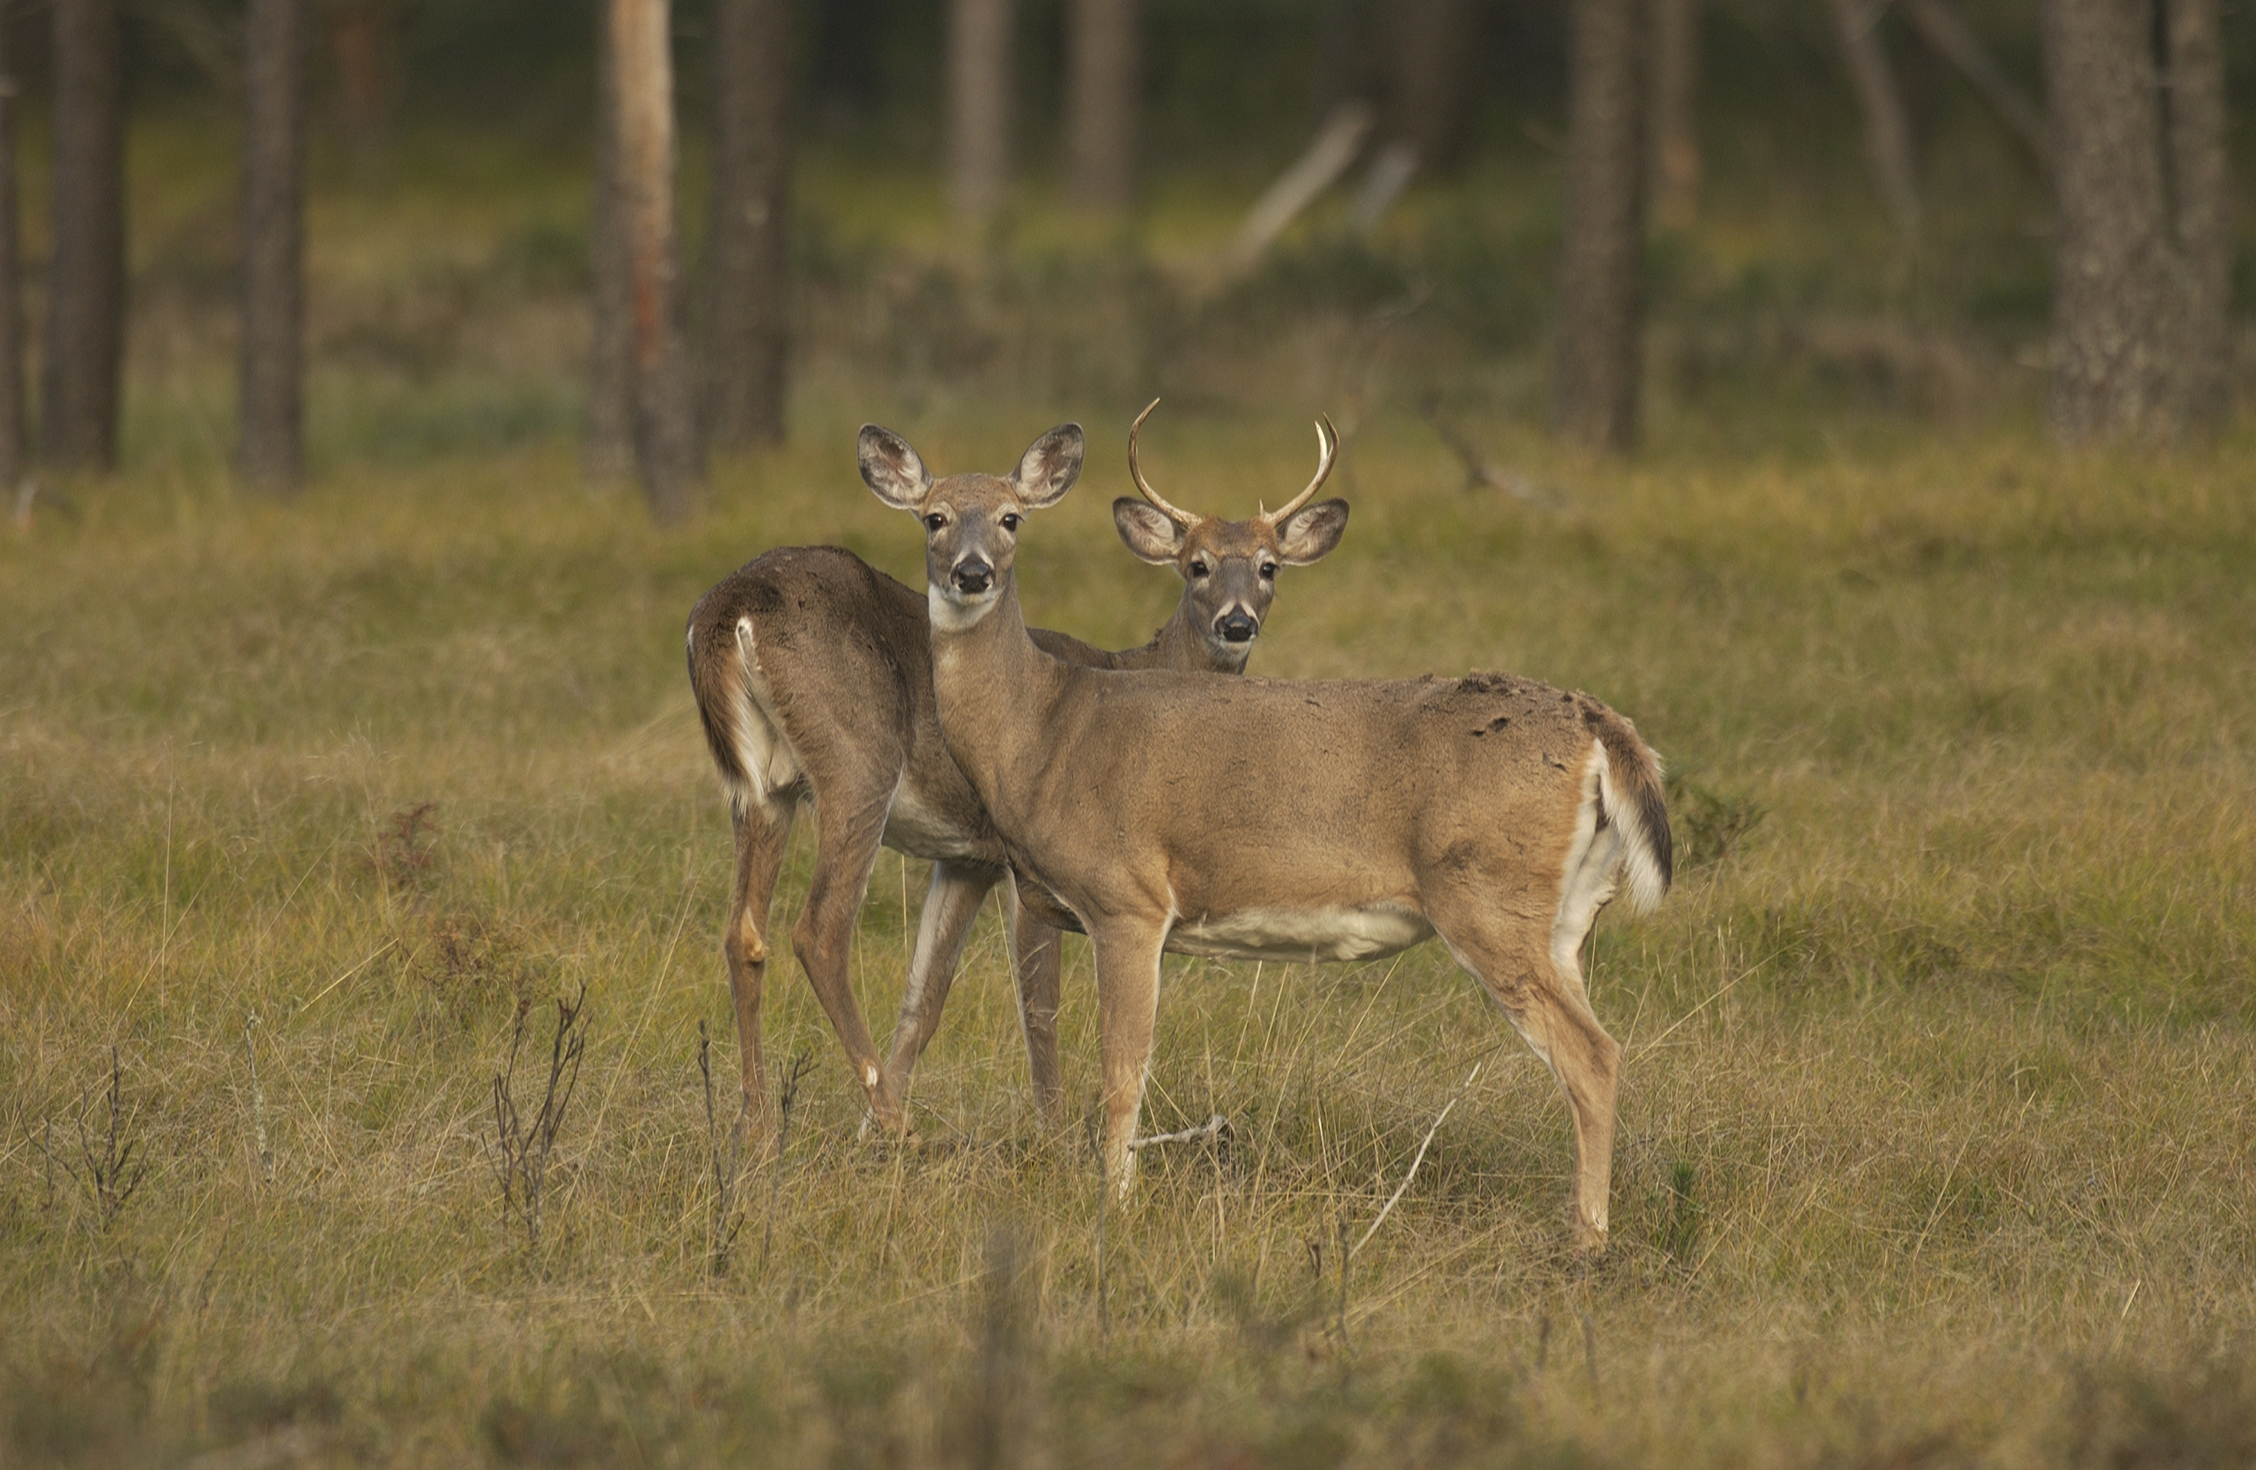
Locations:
(762, 752)
(1588, 877)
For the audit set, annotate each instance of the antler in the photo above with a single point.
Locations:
(1135, 472)
(1327, 445)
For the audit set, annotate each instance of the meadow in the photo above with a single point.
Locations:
(1939, 1089)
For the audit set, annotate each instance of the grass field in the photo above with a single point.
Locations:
(1939, 1089)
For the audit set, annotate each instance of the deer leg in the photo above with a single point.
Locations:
(1127, 1009)
(1037, 955)
(763, 829)
(951, 902)
(845, 850)
(1521, 972)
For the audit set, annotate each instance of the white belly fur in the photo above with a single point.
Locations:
(921, 831)
(1347, 933)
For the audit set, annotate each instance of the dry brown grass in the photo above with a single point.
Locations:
(1935, 1128)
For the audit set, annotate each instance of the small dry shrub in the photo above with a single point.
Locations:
(405, 854)
(474, 964)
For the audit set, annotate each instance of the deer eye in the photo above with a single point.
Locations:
(1010, 521)
(1198, 568)
(935, 521)
(1268, 569)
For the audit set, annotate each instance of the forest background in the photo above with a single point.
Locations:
(334, 757)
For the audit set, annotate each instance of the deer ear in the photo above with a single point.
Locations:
(1050, 466)
(892, 469)
(1147, 533)
(1311, 532)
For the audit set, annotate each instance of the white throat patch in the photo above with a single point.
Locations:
(954, 614)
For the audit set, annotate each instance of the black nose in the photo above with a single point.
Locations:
(974, 577)
(1238, 628)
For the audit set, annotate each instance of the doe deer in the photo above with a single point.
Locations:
(1282, 820)
(813, 675)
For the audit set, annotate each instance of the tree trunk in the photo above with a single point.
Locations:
(1102, 129)
(1599, 346)
(979, 97)
(665, 428)
(2115, 307)
(270, 451)
(2201, 188)
(607, 455)
(11, 281)
(1887, 132)
(86, 280)
(1676, 137)
(1432, 45)
(747, 247)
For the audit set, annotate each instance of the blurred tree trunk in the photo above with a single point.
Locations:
(665, 423)
(1102, 128)
(86, 279)
(2201, 184)
(1676, 137)
(979, 105)
(270, 451)
(607, 456)
(2115, 314)
(1432, 49)
(1599, 342)
(748, 254)
(11, 280)
(1887, 131)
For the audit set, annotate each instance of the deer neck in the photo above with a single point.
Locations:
(994, 689)
(1179, 645)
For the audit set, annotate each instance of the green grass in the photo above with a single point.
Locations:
(1939, 1083)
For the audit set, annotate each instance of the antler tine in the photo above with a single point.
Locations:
(1136, 473)
(1327, 447)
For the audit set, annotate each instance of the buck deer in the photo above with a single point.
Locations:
(1270, 819)
(813, 674)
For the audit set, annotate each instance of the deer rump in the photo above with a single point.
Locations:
(1549, 819)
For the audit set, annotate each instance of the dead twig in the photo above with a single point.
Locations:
(1403, 1188)
(521, 1153)
(801, 1064)
(727, 1216)
(1217, 1128)
(258, 1103)
(111, 1164)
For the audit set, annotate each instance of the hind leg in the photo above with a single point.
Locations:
(1543, 996)
(763, 828)
(846, 843)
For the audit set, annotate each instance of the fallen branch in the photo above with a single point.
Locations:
(1334, 149)
(1948, 36)
(1216, 1127)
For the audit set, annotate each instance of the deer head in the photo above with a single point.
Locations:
(970, 521)
(1229, 568)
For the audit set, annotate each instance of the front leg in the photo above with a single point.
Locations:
(1037, 957)
(951, 903)
(1127, 1010)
